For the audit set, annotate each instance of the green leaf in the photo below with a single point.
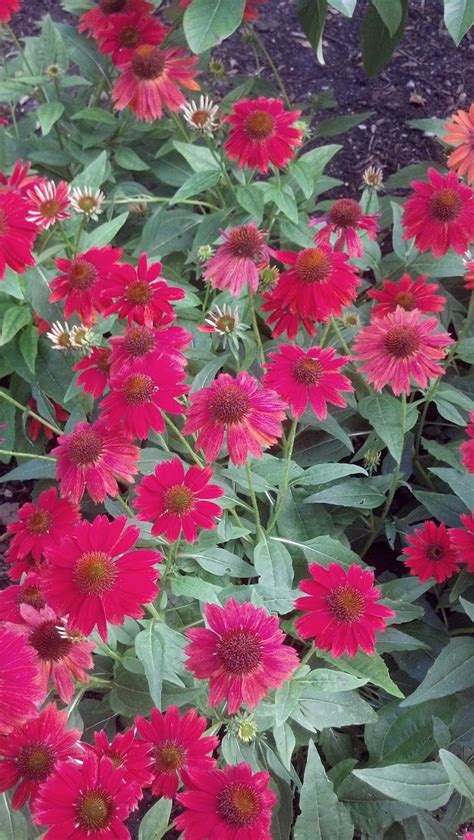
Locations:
(378, 44)
(286, 698)
(128, 159)
(322, 816)
(400, 245)
(32, 469)
(324, 473)
(325, 550)
(319, 157)
(384, 414)
(13, 321)
(219, 562)
(372, 668)
(324, 680)
(104, 234)
(285, 743)
(29, 346)
(357, 493)
(48, 114)
(458, 17)
(468, 607)
(338, 708)
(284, 199)
(154, 824)
(196, 184)
(250, 199)
(339, 125)
(459, 774)
(423, 785)
(391, 13)
(405, 735)
(460, 483)
(94, 174)
(130, 695)
(443, 506)
(312, 17)
(200, 158)
(273, 564)
(189, 586)
(207, 22)
(345, 7)
(13, 824)
(150, 651)
(96, 115)
(451, 672)
(168, 231)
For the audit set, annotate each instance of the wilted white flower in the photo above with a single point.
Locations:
(60, 336)
(87, 201)
(202, 117)
(81, 337)
(373, 177)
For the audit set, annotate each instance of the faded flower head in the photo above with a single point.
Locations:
(87, 201)
(373, 177)
(202, 116)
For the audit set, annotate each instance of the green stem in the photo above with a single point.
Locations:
(253, 497)
(256, 331)
(179, 126)
(273, 68)
(286, 475)
(157, 199)
(183, 440)
(108, 651)
(358, 378)
(24, 408)
(153, 611)
(429, 396)
(79, 234)
(307, 655)
(27, 455)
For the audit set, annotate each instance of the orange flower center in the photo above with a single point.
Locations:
(82, 274)
(226, 323)
(229, 405)
(116, 759)
(179, 499)
(402, 342)
(148, 62)
(110, 7)
(239, 805)
(35, 762)
(138, 388)
(94, 573)
(406, 300)
(48, 642)
(169, 756)
(49, 208)
(138, 292)
(129, 36)
(435, 553)
(85, 448)
(312, 266)
(259, 125)
(308, 371)
(32, 596)
(200, 117)
(239, 652)
(245, 241)
(345, 212)
(138, 341)
(445, 205)
(95, 810)
(346, 604)
(103, 360)
(39, 522)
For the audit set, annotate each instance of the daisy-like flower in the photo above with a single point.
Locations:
(98, 20)
(87, 801)
(399, 348)
(372, 177)
(462, 541)
(313, 376)
(341, 612)
(440, 214)
(225, 323)
(94, 371)
(460, 133)
(202, 116)
(17, 234)
(8, 8)
(80, 281)
(128, 753)
(40, 525)
(262, 133)
(345, 219)
(20, 692)
(30, 753)
(92, 458)
(238, 260)
(151, 81)
(20, 180)
(49, 203)
(232, 803)
(33, 426)
(30, 591)
(176, 501)
(139, 396)
(126, 32)
(60, 336)
(409, 294)
(139, 295)
(467, 448)
(93, 577)
(177, 746)
(250, 417)
(146, 344)
(430, 554)
(87, 201)
(242, 654)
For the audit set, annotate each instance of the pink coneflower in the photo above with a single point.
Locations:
(176, 501)
(92, 458)
(282, 319)
(30, 591)
(128, 753)
(409, 294)
(401, 347)
(241, 654)
(8, 8)
(151, 81)
(49, 203)
(99, 19)
(344, 219)
(462, 541)
(141, 343)
(341, 613)
(232, 803)
(40, 525)
(17, 235)
(467, 448)
(126, 32)
(33, 426)
(93, 577)
(20, 692)
(250, 417)
(440, 214)
(139, 396)
(94, 371)
(31, 753)
(80, 282)
(430, 554)
(460, 133)
(177, 747)
(238, 261)
(140, 296)
(262, 133)
(469, 275)
(87, 801)
(20, 180)
(313, 376)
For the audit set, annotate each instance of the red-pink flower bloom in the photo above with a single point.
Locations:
(30, 591)
(140, 296)
(31, 753)
(177, 747)
(93, 577)
(250, 417)
(139, 396)
(469, 276)
(35, 428)
(242, 654)
(49, 203)
(401, 347)
(342, 614)
(20, 180)
(40, 525)
(233, 803)
(141, 343)
(467, 448)
(430, 554)
(262, 133)
(151, 80)
(20, 692)
(440, 214)
(94, 371)
(409, 294)
(128, 753)
(460, 133)
(17, 235)
(126, 32)
(176, 501)
(99, 19)
(8, 8)
(238, 260)
(462, 541)
(80, 282)
(344, 219)
(313, 376)
(87, 801)
(92, 458)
